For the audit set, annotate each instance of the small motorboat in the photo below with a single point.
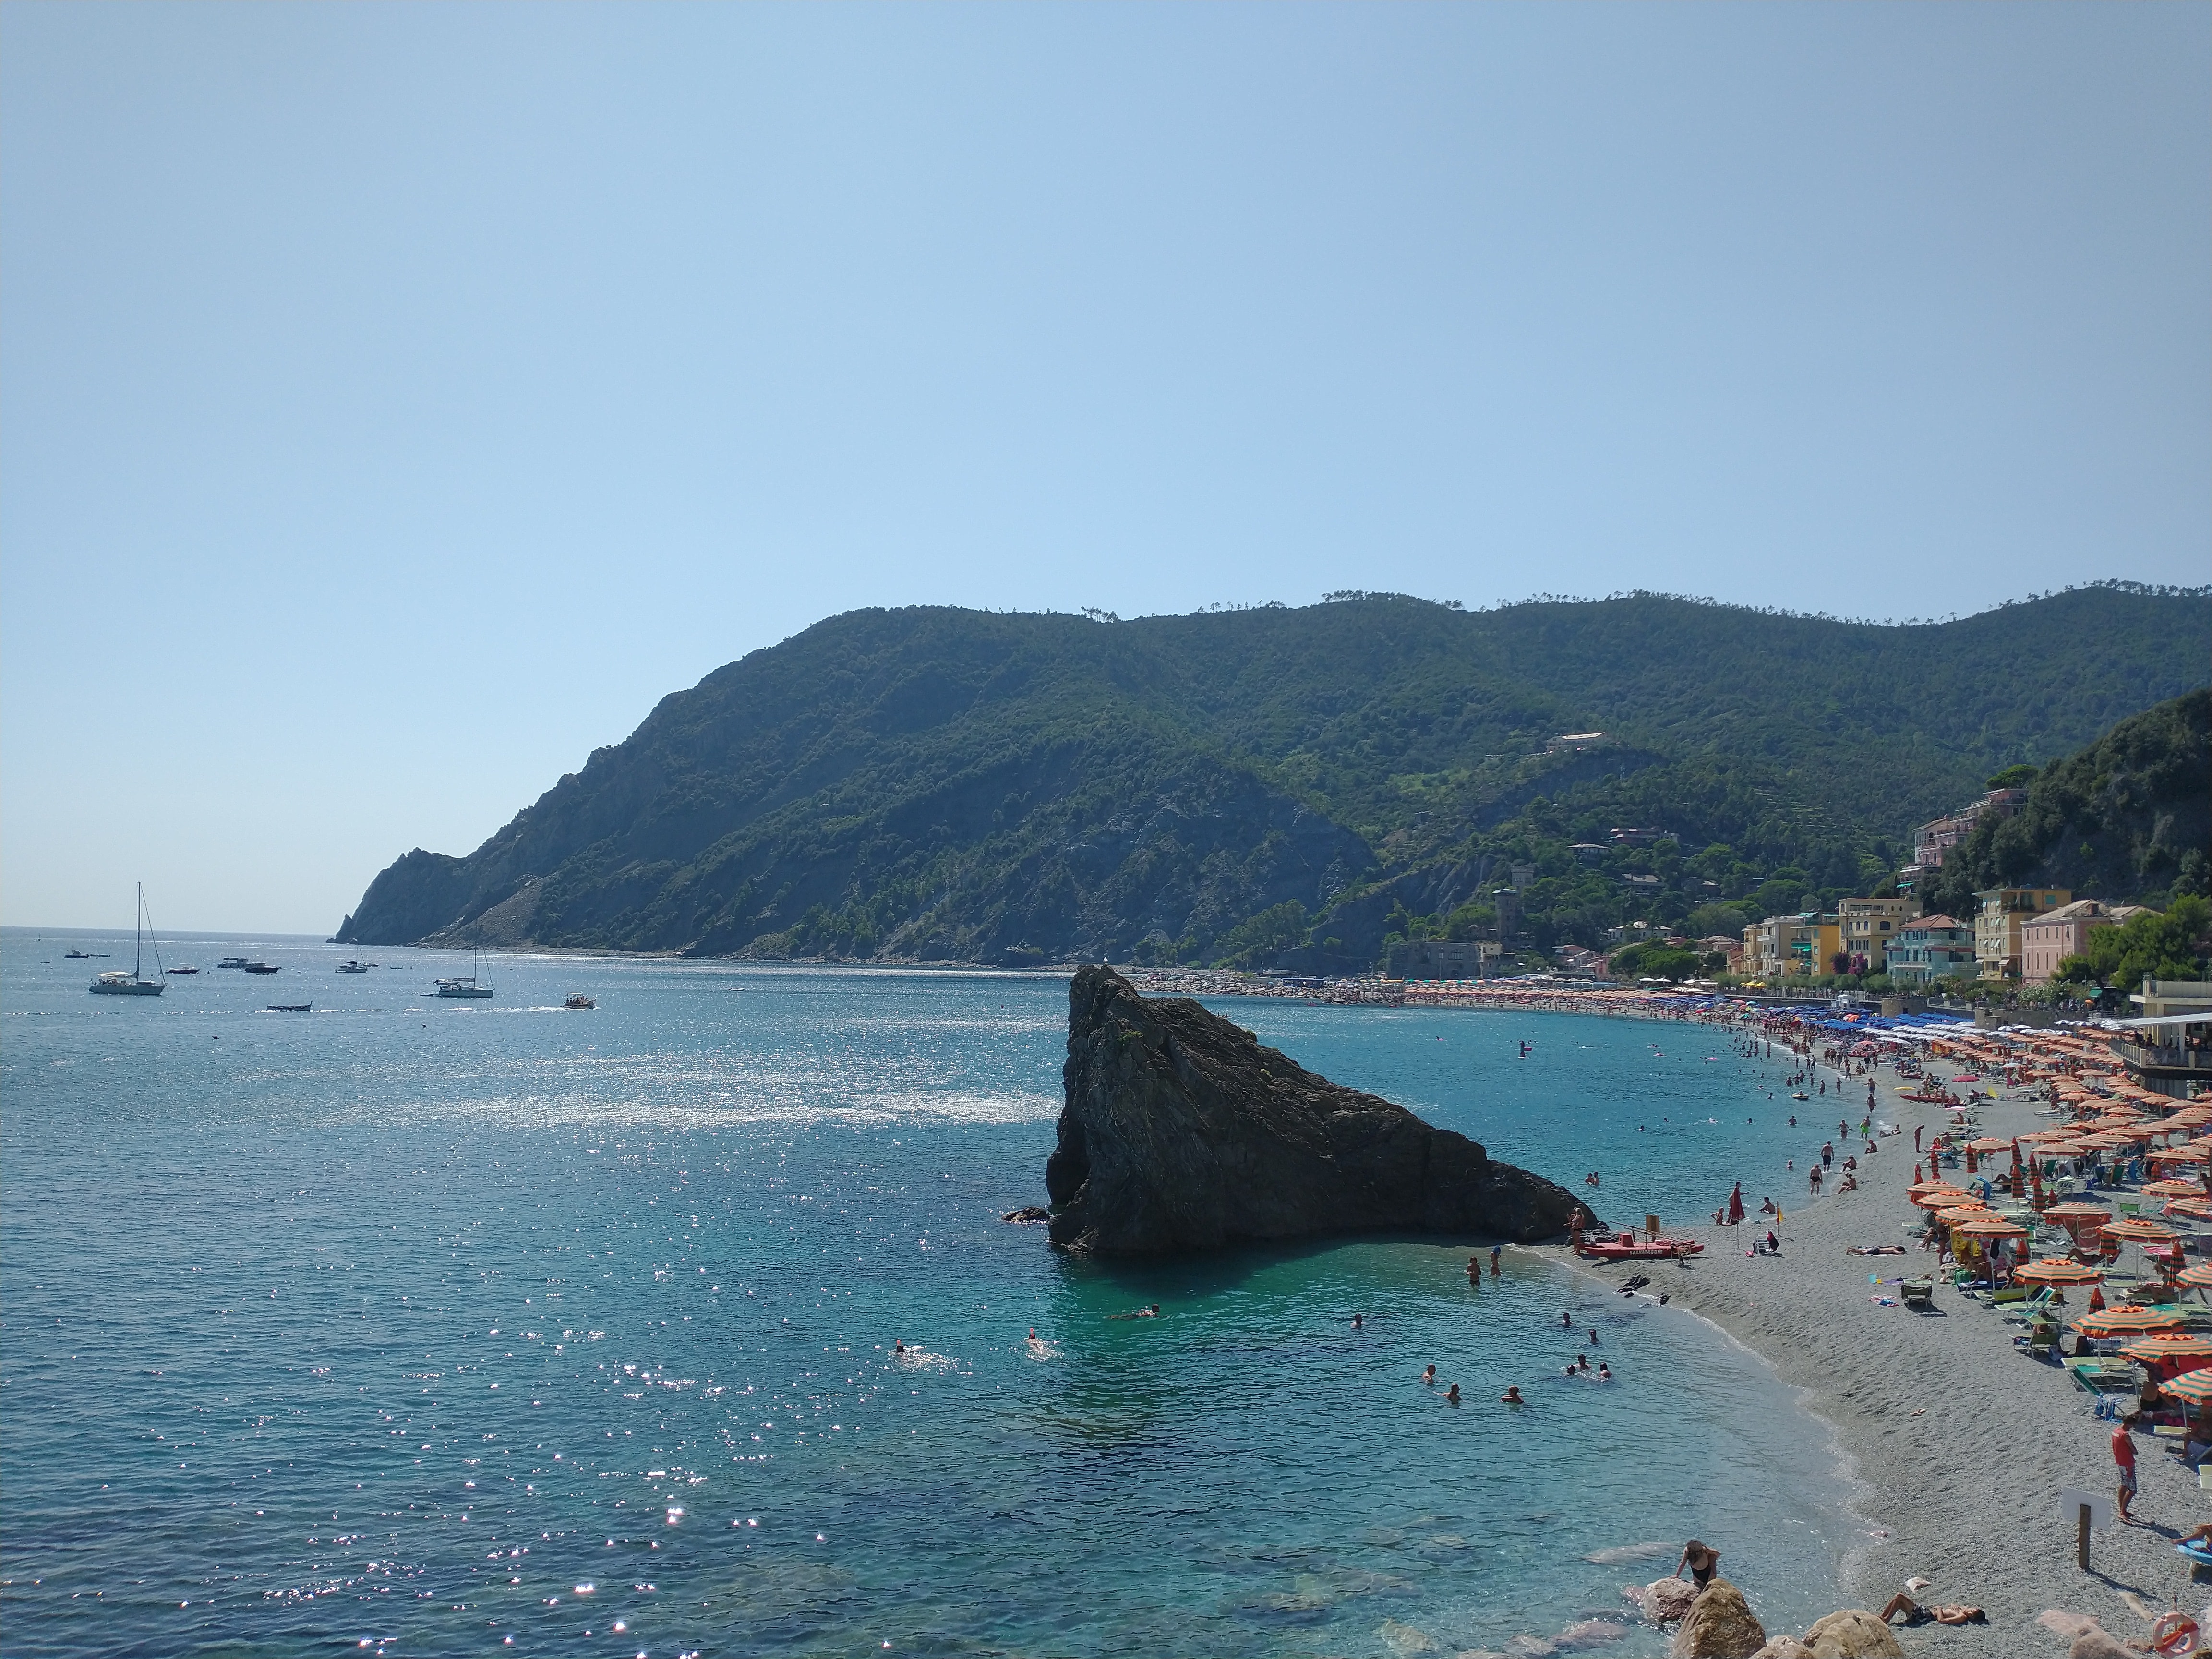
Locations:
(76, 956)
(182, 970)
(353, 965)
(1801, 1095)
(291, 1007)
(257, 968)
(580, 1001)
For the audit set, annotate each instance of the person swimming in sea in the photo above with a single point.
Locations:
(1451, 1394)
(1152, 1312)
(1604, 1372)
(1495, 1253)
(1592, 1336)
(1511, 1396)
(898, 1347)
(1359, 1321)
(1429, 1376)
(1566, 1321)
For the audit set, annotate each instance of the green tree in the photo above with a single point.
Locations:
(1257, 940)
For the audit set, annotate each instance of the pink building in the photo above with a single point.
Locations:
(2047, 940)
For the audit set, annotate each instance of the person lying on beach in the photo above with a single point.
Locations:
(1916, 1614)
(1874, 1249)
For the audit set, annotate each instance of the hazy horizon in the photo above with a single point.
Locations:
(395, 403)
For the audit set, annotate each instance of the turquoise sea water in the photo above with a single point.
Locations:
(393, 1326)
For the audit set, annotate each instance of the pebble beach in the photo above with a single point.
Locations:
(1958, 1443)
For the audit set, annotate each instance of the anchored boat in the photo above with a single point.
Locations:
(133, 983)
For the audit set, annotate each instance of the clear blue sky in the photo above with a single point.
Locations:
(396, 401)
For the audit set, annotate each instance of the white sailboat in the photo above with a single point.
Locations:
(471, 986)
(133, 983)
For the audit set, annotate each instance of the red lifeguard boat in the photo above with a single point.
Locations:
(1624, 1247)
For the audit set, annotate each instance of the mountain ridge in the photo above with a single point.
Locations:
(932, 783)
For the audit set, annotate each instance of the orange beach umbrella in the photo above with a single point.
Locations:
(2196, 1387)
(2126, 1320)
(2174, 1188)
(2199, 1276)
(1942, 1197)
(2057, 1270)
(2139, 1232)
(2170, 1345)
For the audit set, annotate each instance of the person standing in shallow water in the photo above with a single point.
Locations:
(1495, 1253)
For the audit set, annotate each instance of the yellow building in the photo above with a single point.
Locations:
(1792, 947)
(1868, 926)
(1997, 923)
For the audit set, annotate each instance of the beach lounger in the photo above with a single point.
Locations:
(2043, 1342)
(1918, 1294)
(2104, 1376)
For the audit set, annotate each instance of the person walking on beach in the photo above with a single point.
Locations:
(1814, 1181)
(2124, 1454)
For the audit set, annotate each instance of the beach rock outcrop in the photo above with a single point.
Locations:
(1784, 1647)
(1665, 1600)
(1181, 1132)
(1852, 1634)
(2098, 1643)
(1718, 1626)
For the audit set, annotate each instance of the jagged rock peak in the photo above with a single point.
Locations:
(1181, 1133)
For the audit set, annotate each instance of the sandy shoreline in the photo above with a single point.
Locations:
(1957, 1442)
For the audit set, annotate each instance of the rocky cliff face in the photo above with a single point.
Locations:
(1181, 1132)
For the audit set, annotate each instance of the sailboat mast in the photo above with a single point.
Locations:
(138, 936)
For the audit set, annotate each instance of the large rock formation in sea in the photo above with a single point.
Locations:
(1181, 1132)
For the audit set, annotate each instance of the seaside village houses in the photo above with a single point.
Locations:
(2016, 933)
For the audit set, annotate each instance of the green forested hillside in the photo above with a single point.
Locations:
(2128, 818)
(943, 784)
